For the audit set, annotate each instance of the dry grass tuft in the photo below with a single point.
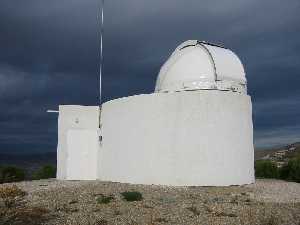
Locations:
(219, 212)
(15, 212)
(24, 215)
(30, 213)
(11, 192)
(9, 195)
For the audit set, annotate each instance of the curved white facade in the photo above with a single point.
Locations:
(195, 130)
(185, 138)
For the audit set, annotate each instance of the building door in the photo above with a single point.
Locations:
(82, 154)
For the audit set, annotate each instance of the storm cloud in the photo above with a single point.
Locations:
(49, 55)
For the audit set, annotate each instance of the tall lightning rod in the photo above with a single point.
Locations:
(101, 51)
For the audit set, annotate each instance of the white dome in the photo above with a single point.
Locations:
(199, 65)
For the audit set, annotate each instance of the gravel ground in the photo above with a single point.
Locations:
(55, 202)
(275, 191)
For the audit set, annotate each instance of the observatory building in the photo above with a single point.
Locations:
(194, 130)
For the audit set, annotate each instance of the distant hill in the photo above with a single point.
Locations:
(279, 155)
(29, 162)
(259, 154)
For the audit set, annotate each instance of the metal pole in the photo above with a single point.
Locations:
(101, 51)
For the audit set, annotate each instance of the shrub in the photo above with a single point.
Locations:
(102, 199)
(45, 172)
(294, 169)
(284, 172)
(10, 192)
(291, 171)
(11, 174)
(25, 215)
(266, 169)
(131, 196)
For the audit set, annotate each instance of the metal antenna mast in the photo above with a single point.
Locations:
(101, 51)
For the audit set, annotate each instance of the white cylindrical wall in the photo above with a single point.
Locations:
(200, 137)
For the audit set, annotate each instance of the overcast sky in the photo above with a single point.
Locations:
(49, 55)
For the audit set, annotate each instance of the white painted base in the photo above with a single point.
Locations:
(184, 139)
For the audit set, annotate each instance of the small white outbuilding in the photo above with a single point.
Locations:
(195, 129)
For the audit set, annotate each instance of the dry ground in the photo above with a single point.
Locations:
(266, 202)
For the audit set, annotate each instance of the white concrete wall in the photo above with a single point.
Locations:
(183, 138)
(78, 142)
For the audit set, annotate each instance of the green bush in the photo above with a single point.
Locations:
(103, 199)
(266, 169)
(284, 172)
(131, 196)
(11, 174)
(291, 171)
(45, 172)
(294, 169)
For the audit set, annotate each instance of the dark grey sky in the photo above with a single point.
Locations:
(49, 53)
